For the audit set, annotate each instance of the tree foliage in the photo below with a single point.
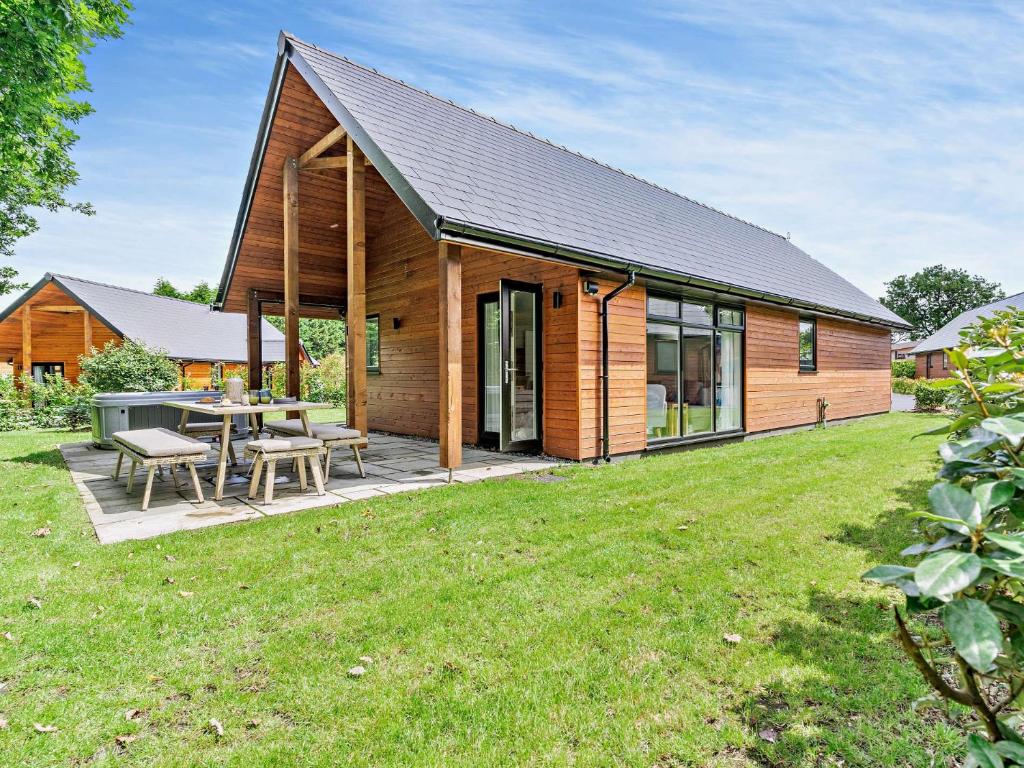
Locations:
(932, 297)
(967, 582)
(320, 337)
(202, 293)
(41, 69)
(129, 367)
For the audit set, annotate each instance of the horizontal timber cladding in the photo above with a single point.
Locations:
(402, 286)
(853, 371)
(57, 337)
(627, 365)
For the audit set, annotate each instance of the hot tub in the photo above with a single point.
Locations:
(116, 411)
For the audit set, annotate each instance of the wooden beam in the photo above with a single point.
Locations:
(322, 146)
(26, 339)
(450, 360)
(290, 185)
(254, 339)
(355, 216)
(59, 308)
(325, 163)
(87, 331)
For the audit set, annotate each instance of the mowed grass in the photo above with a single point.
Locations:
(512, 622)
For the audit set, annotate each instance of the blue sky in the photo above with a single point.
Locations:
(883, 136)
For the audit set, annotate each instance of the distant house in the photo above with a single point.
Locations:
(62, 317)
(932, 361)
(902, 350)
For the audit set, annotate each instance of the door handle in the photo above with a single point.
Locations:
(508, 370)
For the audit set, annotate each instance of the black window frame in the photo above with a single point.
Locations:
(374, 369)
(714, 326)
(812, 366)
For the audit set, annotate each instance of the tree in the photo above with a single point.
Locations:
(201, 294)
(932, 297)
(41, 67)
(320, 337)
(129, 367)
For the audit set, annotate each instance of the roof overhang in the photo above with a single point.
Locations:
(44, 281)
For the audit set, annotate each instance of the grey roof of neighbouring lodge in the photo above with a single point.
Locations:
(948, 336)
(183, 329)
(466, 176)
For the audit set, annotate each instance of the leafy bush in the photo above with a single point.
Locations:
(327, 382)
(930, 394)
(129, 367)
(55, 403)
(903, 386)
(967, 588)
(904, 369)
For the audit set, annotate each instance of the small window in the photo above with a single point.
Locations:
(373, 344)
(662, 307)
(697, 314)
(730, 317)
(945, 361)
(808, 344)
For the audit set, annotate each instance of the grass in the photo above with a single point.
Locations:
(512, 622)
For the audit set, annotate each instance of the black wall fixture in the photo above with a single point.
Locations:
(556, 299)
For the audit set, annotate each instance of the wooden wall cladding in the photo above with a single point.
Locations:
(853, 370)
(57, 337)
(627, 381)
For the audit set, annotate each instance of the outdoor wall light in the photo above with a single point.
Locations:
(396, 323)
(590, 287)
(556, 299)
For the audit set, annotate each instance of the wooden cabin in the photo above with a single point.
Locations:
(60, 318)
(519, 295)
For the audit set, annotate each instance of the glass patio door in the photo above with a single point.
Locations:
(510, 367)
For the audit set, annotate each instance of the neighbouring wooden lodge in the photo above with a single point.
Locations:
(60, 318)
(525, 296)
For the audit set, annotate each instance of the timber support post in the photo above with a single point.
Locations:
(290, 185)
(450, 355)
(355, 313)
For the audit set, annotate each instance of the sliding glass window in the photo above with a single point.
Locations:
(694, 368)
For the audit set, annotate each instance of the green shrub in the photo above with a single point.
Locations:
(904, 369)
(930, 394)
(55, 403)
(15, 406)
(326, 383)
(129, 367)
(903, 386)
(965, 589)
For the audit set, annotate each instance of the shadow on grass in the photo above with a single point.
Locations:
(892, 529)
(51, 458)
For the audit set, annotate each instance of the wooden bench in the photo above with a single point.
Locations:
(212, 429)
(271, 450)
(153, 448)
(332, 435)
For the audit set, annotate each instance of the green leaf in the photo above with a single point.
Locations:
(957, 358)
(975, 632)
(1000, 387)
(1011, 429)
(981, 753)
(1013, 544)
(1014, 568)
(887, 574)
(917, 604)
(953, 502)
(1008, 609)
(991, 495)
(947, 572)
(1011, 750)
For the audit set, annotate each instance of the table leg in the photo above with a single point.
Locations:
(254, 425)
(304, 416)
(222, 462)
(183, 422)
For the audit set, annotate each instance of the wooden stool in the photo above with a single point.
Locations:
(273, 449)
(332, 435)
(152, 448)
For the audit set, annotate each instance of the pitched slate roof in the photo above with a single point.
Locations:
(468, 176)
(948, 336)
(183, 329)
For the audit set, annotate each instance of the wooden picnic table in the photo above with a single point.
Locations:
(251, 411)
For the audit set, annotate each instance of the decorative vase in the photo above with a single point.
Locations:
(233, 389)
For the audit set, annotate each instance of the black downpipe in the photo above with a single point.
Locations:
(630, 279)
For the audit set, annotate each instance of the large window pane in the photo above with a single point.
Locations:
(697, 395)
(662, 380)
(373, 343)
(728, 380)
(522, 359)
(808, 342)
(492, 367)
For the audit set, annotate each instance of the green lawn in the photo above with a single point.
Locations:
(512, 622)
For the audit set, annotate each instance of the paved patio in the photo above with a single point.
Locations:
(393, 465)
